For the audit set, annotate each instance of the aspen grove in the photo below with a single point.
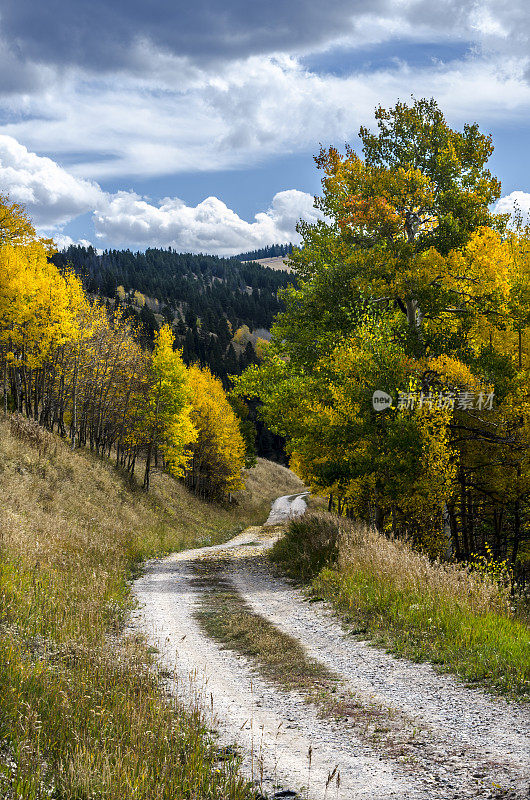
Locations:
(414, 288)
(76, 368)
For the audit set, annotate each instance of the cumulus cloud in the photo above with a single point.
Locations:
(62, 241)
(516, 203)
(141, 90)
(50, 194)
(209, 227)
(54, 197)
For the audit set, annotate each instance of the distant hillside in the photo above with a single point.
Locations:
(221, 309)
(206, 298)
(277, 262)
(187, 284)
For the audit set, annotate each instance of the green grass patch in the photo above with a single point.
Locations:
(487, 649)
(425, 611)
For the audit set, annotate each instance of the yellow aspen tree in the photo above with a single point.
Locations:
(15, 225)
(166, 417)
(218, 454)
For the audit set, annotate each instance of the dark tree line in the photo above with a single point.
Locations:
(195, 284)
(206, 298)
(272, 251)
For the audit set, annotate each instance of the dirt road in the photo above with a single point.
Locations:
(404, 732)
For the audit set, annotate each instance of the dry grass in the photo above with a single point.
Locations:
(29, 431)
(443, 613)
(81, 718)
(395, 562)
(267, 474)
(276, 262)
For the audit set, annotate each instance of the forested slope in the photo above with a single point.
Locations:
(220, 310)
(205, 294)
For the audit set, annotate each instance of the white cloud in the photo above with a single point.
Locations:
(248, 112)
(54, 197)
(62, 240)
(209, 227)
(50, 194)
(517, 202)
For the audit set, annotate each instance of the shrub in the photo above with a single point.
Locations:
(311, 543)
(29, 431)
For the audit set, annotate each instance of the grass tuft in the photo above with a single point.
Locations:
(310, 545)
(226, 617)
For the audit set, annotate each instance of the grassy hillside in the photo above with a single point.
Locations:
(276, 262)
(82, 716)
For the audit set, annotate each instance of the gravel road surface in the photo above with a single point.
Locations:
(431, 739)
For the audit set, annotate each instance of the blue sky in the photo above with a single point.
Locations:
(129, 124)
